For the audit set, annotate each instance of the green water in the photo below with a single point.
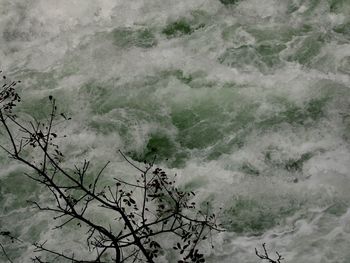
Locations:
(247, 101)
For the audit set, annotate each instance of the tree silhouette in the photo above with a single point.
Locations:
(145, 210)
(265, 255)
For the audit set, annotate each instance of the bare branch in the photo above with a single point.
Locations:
(147, 208)
(4, 251)
(266, 256)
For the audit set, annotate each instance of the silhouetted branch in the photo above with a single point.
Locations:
(10, 237)
(4, 251)
(147, 208)
(265, 255)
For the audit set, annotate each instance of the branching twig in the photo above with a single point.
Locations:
(266, 256)
(149, 207)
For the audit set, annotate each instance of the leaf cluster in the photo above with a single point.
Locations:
(145, 210)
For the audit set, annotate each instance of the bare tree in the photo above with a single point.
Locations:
(265, 255)
(145, 210)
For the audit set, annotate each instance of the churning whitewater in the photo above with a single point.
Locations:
(246, 100)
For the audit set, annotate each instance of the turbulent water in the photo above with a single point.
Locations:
(246, 100)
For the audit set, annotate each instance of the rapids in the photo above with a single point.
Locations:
(246, 100)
